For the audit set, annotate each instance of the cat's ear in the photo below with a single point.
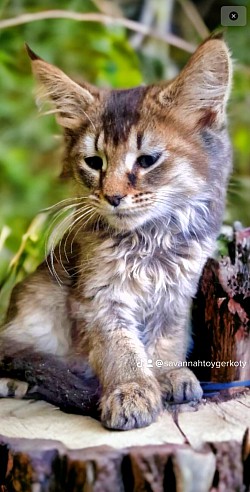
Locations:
(202, 89)
(69, 99)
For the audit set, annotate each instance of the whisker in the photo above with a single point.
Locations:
(98, 222)
(54, 238)
(61, 211)
(85, 223)
(59, 205)
(59, 225)
(87, 116)
(78, 216)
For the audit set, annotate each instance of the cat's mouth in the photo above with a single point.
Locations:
(124, 214)
(121, 214)
(126, 219)
(120, 211)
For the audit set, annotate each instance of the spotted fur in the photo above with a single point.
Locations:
(151, 166)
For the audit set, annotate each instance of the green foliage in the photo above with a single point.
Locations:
(29, 155)
(29, 146)
(239, 117)
(25, 261)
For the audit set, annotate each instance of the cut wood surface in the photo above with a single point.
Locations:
(223, 421)
(200, 451)
(189, 449)
(210, 422)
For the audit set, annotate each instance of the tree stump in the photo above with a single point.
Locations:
(222, 344)
(47, 466)
(221, 315)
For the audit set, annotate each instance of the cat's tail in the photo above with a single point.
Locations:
(26, 373)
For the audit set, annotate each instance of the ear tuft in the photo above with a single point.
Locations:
(202, 88)
(216, 35)
(70, 101)
(31, 53)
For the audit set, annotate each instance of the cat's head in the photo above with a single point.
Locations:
(139, 153)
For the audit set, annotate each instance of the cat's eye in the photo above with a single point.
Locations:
(95, 162)
(145, 161)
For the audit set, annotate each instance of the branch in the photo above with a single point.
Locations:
(146, 19)
(108, 8)
(195, 18)
(103, 19)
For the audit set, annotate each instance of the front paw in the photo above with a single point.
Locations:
(131, 405)
(181, 385)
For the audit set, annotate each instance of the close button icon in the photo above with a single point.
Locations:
(235, 15)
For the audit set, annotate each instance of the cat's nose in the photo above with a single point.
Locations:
(114, 199)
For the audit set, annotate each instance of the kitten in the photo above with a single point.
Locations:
(151, 166)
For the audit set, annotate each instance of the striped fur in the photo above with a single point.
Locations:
(151, 166)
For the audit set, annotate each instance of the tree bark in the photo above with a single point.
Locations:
(47, 466)
(221, 315)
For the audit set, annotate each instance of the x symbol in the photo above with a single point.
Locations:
(233, 15)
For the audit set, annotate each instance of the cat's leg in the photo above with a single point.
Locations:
(35, 358)
(168, 354)
(38, 314)
(131, 395)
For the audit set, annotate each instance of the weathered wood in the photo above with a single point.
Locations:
(210, 448)
(138, 460)
(210, 421)
(216, 421)
(27, 419)
(222, 315)
(47, 466)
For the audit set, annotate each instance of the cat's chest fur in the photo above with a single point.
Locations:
(141, 274)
